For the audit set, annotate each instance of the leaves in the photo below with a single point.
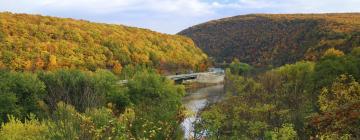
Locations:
(31, 129)
(264, 40)
(344, 91)
(48, 43)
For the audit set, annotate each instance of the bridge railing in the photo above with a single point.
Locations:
(180, 76)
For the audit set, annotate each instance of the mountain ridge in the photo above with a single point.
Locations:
(276, 39)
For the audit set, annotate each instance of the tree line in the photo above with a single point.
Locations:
(34, 42)
(75, 104)
(273, 40)
(304, 100)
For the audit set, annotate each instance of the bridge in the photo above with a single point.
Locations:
(202, 77)
(183, 77)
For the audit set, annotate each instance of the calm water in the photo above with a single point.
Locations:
(196, 100)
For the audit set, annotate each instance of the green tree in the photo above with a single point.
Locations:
(254, 106)
(245, 113)
(356, 52)
(157, 106)
(80, 89)
(21, 94)
(295, 92)
(100, 123)
(8, 105)
(239, 68)
(286, 132)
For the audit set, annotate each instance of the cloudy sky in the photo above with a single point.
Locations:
(170, 16)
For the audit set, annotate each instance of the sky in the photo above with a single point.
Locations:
(170, 16)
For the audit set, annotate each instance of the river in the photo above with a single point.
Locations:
(195, 101)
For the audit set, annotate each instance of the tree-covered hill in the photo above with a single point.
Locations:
(263, 40)
(32, 42)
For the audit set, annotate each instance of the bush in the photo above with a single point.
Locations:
(239, 68)
(81, 89)
(93, 124)
(286, 132)
(20, 94)
(157, 106)
(31, 129)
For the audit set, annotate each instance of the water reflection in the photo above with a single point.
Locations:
(195, 101)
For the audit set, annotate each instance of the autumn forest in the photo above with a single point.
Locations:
(283, 77)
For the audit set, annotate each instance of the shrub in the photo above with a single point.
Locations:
(31, 129)
(20, 94)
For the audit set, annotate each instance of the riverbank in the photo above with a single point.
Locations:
(195, 101)
(204, 80)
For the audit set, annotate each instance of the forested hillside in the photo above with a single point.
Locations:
(305, 100)
(32, 42)
(274, 40)
(59, 79)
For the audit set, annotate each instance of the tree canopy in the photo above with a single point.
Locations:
(276, 39)
(33, 42)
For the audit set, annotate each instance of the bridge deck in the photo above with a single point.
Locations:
(180, 76)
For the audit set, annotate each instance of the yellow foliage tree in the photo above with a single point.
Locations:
(39, 64)
(68, 43)
(52, 62)
(345, 90)
(2, 65)
(333, 52)
(31, 129)
(117, 68)
(27, 65)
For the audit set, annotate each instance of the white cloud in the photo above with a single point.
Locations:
(181, 7)
(170, 16)
(323, 6)
(294, 6)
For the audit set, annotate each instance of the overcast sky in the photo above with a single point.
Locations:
(170, 16)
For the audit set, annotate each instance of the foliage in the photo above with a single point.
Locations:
(91, 105)
(345, 90)
(66, 122)
(356, 52)
(80, 89)
(239, 68)
(129, 71)
(294, 92)
(276, 39)
(117, 68)
(286, 132)
(31, 129)
(319, 99)
(339, 105)
(329, 68)
(94, 124)
(20, 94)
(119, 100)
(257, 108)
(303, 100)
(157, 106)
(242, 115)
(33, 42)
(333, 53)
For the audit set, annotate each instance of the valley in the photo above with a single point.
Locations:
(256, 76)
